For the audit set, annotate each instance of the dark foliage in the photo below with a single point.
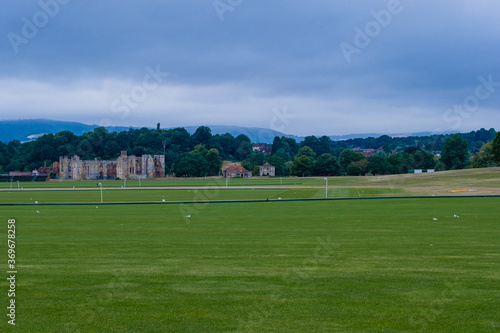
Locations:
(202, 153)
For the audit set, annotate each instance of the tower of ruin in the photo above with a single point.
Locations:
(125, 167)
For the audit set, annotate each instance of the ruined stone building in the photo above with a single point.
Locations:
(267, 170)
(125, 167)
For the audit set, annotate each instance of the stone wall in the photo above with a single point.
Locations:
(125, 167)
(267, 170)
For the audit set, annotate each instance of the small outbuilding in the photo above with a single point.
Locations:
(267, 170)
(237, 171)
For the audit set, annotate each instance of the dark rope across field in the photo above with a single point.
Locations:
(270, 201)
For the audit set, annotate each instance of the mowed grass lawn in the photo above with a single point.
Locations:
(187, 195)
(187, 182)
(323, 266)
(136, 195)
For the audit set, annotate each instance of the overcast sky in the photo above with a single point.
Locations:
(301, 67)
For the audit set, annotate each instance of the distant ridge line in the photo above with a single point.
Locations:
(28, 129)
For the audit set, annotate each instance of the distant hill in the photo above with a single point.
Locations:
(30, 129)
(256, 134)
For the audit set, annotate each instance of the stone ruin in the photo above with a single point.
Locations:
(125, 167)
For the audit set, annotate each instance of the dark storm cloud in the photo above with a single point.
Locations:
(407, 61)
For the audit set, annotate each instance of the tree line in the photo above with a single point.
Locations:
(201, 154)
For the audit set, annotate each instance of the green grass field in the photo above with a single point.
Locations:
(380, 265)
(256, 181)
(188, 195)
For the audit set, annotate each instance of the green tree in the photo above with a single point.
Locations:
(62, 139)
(124, 141)
(14, 162)
(138, 151)
(179, 140)
(170, 157)
(276, 145)
(200, 149)
(326, 165)
(244, 149)
(440, 166)
(495, 148)
(400, 163)
(337, 151)
(149, 139)
(247, 165)
(214, 162)
(84, 149)
(324, 146)
(243, 138)
(190, 165)
(288, 168)
(290, 146)
(212, 158)
(358, 168)
(306, 151)
(455, 154)
(203, 135)
(97, 138)
(385, 141)
(484, 158)
(4, 155)
(347, 157)
(226, 144)
(303, 166)
(279, 164)
(15, 165)
(423, 159)
(111, 150)
(318, 145)
(378, 165)
(256, 158)
(484, 135)
(283, 154)
(256, 171)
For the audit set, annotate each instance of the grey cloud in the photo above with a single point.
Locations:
(429, 56)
